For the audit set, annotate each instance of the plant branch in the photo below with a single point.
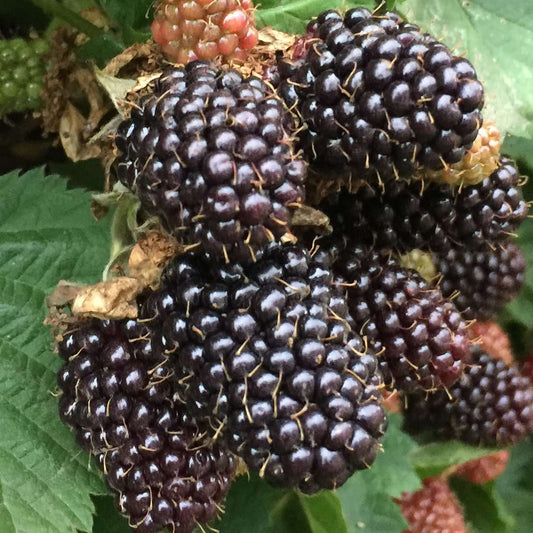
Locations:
(56, 9)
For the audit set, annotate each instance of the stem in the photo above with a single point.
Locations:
(53, 7)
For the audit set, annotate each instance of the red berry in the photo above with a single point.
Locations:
(484, 469)
(204, 29)
(493, 339)
(433, 509)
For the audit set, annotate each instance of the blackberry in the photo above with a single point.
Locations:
(484, 469)
(117, 396)
(419, 335)
(481, 282)
(379, 98)
(429, 216)
(22, 68)
(490, 405)
(493, 339)
(478, 163)
(265, 353)
(204, 29)
(207, 151)
(433, 509)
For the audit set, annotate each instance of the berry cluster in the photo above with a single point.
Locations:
(420, 336)
(276, 351)
(490, 405)
(188, 30)
(117, 396)
(481, 282)
(207, 151)
(430, 216)
(266, 355)
(21, 74)
(378, 98)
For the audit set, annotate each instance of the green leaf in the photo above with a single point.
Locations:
(292, 16)
(46, 233)
(484, 508)
(432, 459)
(323, 512)
(101, 49)
(521, 149)
(248, 506)
(515, 485)
(137, 14)
(107, 519)
(270, 510)
(498, 38)
(367, 496)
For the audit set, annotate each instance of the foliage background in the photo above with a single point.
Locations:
(47, 233)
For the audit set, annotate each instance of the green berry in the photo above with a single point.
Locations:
(22, 67)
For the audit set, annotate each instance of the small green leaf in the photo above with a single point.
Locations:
(46, 233)
(498, 38)
(484, 508)
(432, 459)
(367, 496)
(101, 49)
(323, 512)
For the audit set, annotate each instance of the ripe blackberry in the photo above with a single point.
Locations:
(484, 469)
(493, 339)
(378, 97)
(117, 396)
(204, 29)
(420, 337)
(490, 405)
(22, 68)
(405, 216)
(478, 163)
(265, 353)
(481, 282)
(207, 152)
(433, 509)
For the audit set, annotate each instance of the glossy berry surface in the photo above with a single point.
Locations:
(188, 30)
(117, 397)
(378, 98)
(419, 336)
(266, 355)
(428, 216)
(433, 509)
(482, 282)
(208, 153)
(490, 405)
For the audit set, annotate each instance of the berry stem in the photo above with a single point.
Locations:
(56, 9)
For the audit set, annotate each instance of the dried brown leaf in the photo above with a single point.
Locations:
(150, 255)
(113, 299)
